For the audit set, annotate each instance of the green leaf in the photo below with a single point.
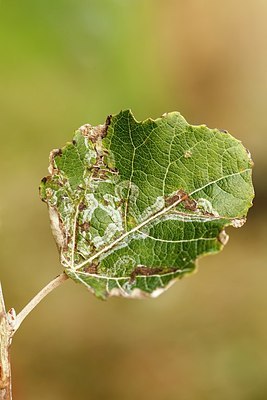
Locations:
(134, 204)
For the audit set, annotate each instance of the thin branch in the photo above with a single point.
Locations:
(5, 342)
(40, 296)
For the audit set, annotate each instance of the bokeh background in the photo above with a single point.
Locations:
(66, 63)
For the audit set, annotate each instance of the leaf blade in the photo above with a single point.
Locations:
(136, 203)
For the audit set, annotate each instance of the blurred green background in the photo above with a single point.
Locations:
(66, 63)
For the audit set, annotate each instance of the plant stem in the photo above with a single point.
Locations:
(36, 300)
(9, 325)
(5, 342)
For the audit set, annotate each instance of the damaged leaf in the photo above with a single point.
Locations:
(134, 204)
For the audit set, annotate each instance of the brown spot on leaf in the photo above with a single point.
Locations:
(179, 196)
(57, 153)
(82, 206)
(190, 204)
(145, 271)
(182, 197)
(91, 269)
(85, 226)
(148, 271)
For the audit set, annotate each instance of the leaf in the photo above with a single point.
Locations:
(134, 204)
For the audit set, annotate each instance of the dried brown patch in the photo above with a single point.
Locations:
(53, 154)
(91, 269)
(94, 132)
(85, 227)
(190, 204)
(149, 271)
(182, 197)
(82, 206)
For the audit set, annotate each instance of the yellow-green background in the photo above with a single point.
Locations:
(66, 63)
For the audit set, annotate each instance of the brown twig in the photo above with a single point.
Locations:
(9, 325)
(5, 342)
